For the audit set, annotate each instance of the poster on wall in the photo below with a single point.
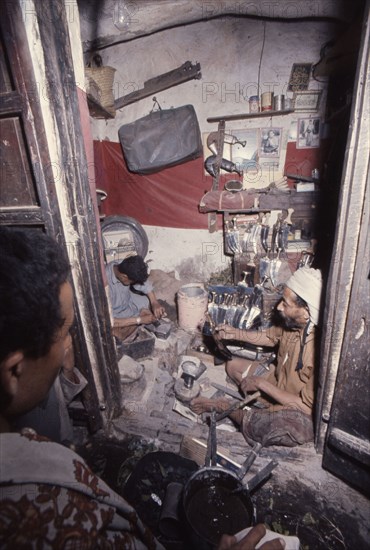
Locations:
(299, 77)
(244, 152)
(308, 133)
(307, 101)
(270, 142)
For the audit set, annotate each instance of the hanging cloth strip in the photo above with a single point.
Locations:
(306, 331)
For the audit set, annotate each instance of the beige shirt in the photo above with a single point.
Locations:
(300, 382)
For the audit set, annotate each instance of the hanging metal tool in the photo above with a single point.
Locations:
(241, 310)
(244, 282)
(231, 312)
(255, 308)
(222, 308)
(281, 243)
(264, 263)
(212, 306)
(212, 216)
(245, 313)
(246, 238)
(228, 138)
(248, 276)
(275, 263)
(232, 237)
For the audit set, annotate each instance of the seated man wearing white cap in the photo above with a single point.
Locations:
(288, 390)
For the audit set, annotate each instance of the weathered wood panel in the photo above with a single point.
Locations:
(343, 412)
(96, 350)
(63, 183)
(18, 186)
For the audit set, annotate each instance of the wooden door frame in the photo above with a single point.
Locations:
(41, 47)
(341, 280)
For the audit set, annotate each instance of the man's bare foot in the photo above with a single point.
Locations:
(200, 405)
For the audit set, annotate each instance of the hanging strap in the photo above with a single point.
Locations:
(303, 343)
(156, 104)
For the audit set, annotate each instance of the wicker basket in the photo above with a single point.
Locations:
(100, 84)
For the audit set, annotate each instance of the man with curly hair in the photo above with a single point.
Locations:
(49, 497)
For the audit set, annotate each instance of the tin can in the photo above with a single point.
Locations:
(279, 103)
(254, 104)
(266, 101)
(288, 104)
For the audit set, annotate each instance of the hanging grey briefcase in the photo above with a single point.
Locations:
(161, 139)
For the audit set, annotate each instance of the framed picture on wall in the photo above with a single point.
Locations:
(299, 77)
(308, 133)
(244, 149)
(270, 142)
(307, 101)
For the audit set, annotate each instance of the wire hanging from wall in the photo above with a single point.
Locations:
(261, 55)
(260, 63)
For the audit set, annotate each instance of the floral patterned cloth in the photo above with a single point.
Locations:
(49, 498)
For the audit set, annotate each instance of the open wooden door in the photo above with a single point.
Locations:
(344, 397)
(347, 449)
(44, 178)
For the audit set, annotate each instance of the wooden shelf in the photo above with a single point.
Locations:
(250, 115)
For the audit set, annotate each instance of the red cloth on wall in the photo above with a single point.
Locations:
(168, 198)
(303, 161)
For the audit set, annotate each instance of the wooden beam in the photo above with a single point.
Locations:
(187, 71)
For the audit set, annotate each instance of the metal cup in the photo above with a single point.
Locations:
(279, 102)
(266, 101)
(288, 104)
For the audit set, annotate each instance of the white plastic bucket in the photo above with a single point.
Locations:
(192, 303)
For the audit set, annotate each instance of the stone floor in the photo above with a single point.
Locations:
(300, 498)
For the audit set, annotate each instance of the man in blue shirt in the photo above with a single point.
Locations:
(132, 297)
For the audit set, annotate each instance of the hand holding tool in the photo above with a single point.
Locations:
(238, 405)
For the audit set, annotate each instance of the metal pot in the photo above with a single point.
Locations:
(215, 501)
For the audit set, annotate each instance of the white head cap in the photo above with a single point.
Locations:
(307, 283)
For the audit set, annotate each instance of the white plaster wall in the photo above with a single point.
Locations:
(236, 62)
(229, 52)
(194, 254)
